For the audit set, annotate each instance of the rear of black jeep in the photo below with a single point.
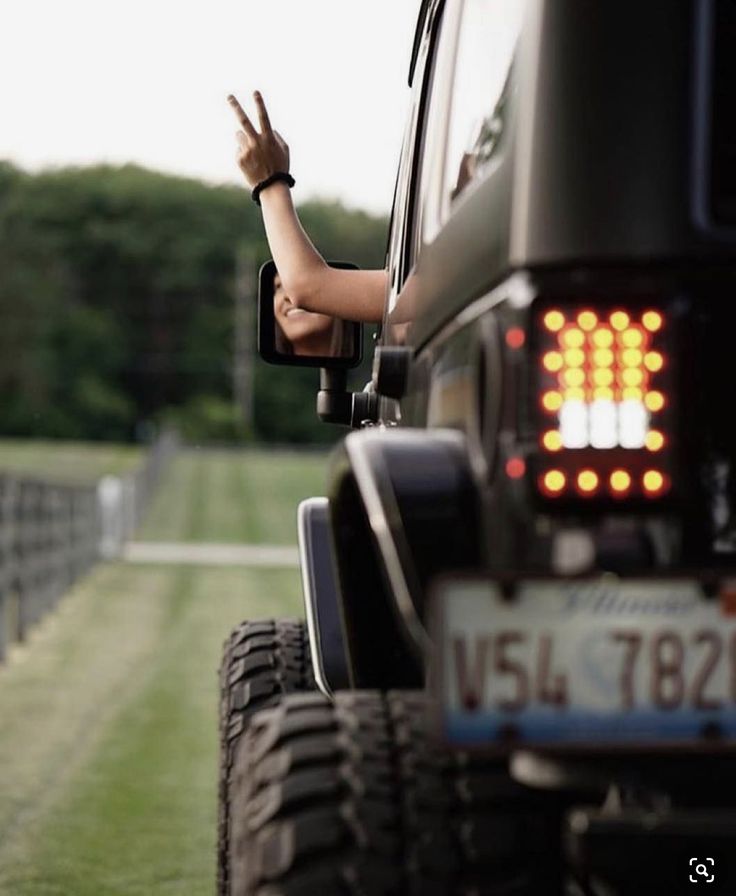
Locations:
(525, 648)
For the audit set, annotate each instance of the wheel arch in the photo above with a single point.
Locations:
(403, 508)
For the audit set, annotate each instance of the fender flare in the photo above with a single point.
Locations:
(404, 508)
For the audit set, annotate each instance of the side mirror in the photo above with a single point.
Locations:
(291, 335)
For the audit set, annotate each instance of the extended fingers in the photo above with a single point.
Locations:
(242, 117)
(262, 113)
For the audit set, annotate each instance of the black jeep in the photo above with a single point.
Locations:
(518, 670)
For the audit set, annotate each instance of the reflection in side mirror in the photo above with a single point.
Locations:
(291, 335)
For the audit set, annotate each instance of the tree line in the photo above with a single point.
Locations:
(117, 306)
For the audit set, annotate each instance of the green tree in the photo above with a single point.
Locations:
(116, 303)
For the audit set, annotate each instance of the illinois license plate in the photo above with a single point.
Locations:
(605, 662)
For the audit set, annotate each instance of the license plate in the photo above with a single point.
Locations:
(605, 662)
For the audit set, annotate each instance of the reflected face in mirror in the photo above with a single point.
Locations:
(294, 336)
(300, 332)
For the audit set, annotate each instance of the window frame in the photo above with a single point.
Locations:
(432, 145)
(400, 258)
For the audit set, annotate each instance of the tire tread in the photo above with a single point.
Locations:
(262, 661)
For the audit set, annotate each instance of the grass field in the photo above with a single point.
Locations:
(67, 461)
(108, 740)
(230, 496)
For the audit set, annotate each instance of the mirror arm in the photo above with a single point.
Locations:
(365, 409)
(334, 402)
(336, 405)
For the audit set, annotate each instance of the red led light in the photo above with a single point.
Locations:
(515, 467)
(515, 337)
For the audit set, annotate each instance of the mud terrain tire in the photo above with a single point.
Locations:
(350, 797)
(261, 662)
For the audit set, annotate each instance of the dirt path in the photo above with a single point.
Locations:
(196, 554)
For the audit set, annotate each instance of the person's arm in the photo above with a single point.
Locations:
(309, 282)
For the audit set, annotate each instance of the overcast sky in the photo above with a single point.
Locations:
(84, 81)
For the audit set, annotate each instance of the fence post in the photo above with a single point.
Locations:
(6, 559)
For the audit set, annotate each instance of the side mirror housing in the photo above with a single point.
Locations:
(293, 336)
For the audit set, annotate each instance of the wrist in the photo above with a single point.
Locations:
(279, 178)
(277, 192)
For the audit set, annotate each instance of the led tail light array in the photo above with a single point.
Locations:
(603, 403)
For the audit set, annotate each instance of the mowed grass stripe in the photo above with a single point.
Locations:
(59, 690)
(138, 815)
(234, 496)
(275, 484)
(170, 516)
(222, 518)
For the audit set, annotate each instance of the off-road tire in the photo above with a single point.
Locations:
(261, 662)
(352, 798)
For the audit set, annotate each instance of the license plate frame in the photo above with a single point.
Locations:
(682, 606)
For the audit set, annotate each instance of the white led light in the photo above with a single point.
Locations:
(603, 424)
(574, 424)
(633, 423)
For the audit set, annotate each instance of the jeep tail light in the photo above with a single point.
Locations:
(604, 403)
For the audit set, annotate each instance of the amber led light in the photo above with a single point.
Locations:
(572, 338)
(587, 481)
(654, 440)
(654, 401)
(603, 338)
(553, 361)
(652, 321)
(552, 440)
(552, 401)
(620, 482)
(554, 321)
(554, 482)
(653, 482)
(602, 389)
(603, 357)
(632, 338)
(619, 320)
(587, 320)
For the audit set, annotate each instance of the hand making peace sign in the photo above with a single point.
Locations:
(259, 154)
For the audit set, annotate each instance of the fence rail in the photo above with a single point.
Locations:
(51, 534)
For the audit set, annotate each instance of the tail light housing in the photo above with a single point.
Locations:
(604, 403)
